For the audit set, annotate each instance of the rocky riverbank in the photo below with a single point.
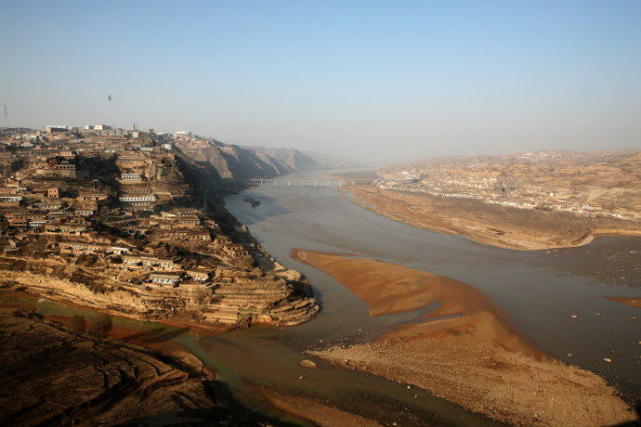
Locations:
(465, 350)
(55, 375)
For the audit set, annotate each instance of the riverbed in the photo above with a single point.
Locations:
(535, 288)
(548, 299)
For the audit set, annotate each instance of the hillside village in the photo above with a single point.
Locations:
(111, 218)
(598, 184)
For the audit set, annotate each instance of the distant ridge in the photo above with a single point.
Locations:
(220, 161)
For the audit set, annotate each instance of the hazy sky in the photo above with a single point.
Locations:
(383, 81)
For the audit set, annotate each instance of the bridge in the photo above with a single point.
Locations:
(325, 182)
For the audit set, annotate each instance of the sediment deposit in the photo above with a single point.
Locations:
(526, 201)
(501, 226)
(465, 350)
(632, 302)
(319, 413)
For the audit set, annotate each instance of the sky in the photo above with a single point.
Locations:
(374, 81)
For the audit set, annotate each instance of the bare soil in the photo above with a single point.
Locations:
(633, 302)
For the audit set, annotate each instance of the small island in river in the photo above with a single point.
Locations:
(465, 350)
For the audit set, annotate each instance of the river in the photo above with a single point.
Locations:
(539, 290)
(535, 289)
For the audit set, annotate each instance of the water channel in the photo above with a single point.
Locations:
(535, 289)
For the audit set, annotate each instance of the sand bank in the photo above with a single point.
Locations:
(633, 302)
(465, 350)
(505, 227)
(319, 413)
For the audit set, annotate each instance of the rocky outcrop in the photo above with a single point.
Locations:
(111, 383)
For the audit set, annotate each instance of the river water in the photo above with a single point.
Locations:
(535, 289)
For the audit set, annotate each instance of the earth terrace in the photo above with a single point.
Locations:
(106, 218)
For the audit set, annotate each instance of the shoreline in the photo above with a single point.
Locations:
(503, 227)
(152, 339)
(314, 410)
(200, 328)
(138, 381)
(465, 350)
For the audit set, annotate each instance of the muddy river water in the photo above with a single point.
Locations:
(535, 289)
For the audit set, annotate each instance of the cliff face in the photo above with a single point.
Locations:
(222, 161)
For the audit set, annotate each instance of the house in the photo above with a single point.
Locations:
(81, 248)
(75, 228)
(61, 170)
(48, 205)
(199, 276)
(143, 200)
(37, 223)
(92, 196)
(164, 278)
(148, 262)
(130, 176)
(56, 129)
(10, 201)
(130, 160)
(17, 220)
